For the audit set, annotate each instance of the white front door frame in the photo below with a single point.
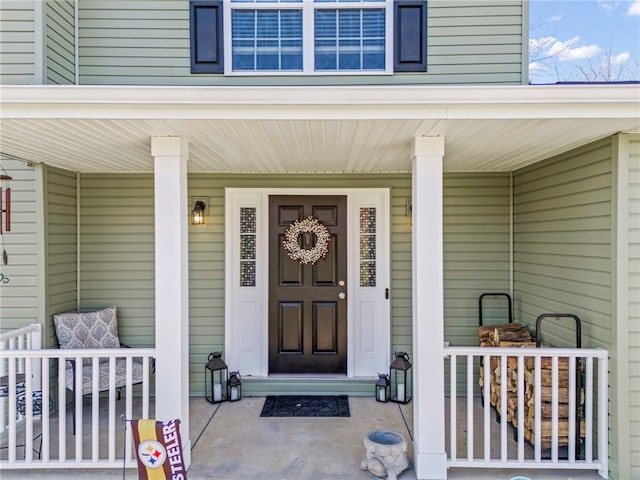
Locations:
(246, 308)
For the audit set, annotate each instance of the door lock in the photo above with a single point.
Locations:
(341, 295)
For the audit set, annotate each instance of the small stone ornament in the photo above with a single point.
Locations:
(386, 454)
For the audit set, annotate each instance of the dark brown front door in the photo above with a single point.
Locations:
(307, 316)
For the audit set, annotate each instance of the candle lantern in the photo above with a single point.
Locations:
(400, 376)
(215, 378)
(383, 385)
(234, 387)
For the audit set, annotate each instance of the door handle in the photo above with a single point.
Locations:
(342, 295)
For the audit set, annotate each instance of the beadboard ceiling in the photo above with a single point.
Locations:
(101, 130)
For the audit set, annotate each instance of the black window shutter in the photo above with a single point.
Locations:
(206, 36)
(410, 32)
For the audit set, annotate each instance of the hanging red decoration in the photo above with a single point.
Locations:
(5, 208)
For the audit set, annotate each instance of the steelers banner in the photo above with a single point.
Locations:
(158, 450)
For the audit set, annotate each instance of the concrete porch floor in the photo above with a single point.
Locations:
(230, 441)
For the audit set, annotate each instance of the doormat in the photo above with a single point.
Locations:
(306, 406)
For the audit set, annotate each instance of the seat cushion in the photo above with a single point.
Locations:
(87, 330)
(103, 375)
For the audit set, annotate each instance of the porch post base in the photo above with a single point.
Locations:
(429, 465)
(186, 453)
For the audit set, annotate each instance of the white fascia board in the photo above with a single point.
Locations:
(293, 103)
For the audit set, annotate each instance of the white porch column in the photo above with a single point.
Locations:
(430, 458)
(172, 283)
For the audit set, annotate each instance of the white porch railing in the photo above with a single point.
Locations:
(43, 437)
(568, 450)
(25, 338)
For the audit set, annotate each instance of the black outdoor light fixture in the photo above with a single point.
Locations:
(234, 387)
(198, 213)
(216, 375)
(383, 385)
(400, 375)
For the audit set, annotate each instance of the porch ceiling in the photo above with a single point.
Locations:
(308, 129)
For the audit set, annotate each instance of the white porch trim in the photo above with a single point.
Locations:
(246, 308)
(430, 457)
(172, 283)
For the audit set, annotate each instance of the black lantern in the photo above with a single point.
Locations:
(383, 386)
(198, 213)
(234, 387)
(400, 373)
(215, 378)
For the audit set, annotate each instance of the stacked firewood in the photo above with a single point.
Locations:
(509, 335)
(516, 335)
(546, 405)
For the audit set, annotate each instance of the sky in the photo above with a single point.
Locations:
(584, 40)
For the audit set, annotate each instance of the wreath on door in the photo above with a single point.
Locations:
(301, 255)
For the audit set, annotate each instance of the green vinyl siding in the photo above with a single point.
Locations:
(476, 249)
(117, 251)
(633, 299)
(117, 254)
(476, 256)
(60, 42)
(144, 42)
(562, 244)
(19, 296)
(563, 260)
(61, 250)
(17, 43)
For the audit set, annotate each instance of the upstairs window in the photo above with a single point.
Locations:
(307, 37)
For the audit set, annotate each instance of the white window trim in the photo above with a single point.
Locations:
(246, 308)
(308, 7)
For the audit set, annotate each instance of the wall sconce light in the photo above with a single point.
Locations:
(198, 212)
(408, 208)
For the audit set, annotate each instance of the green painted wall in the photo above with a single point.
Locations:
(117, 252)
(61, 246)
(562, 244)
(60, 42)
(17, 43)
(563, 249)
(476, 257)
(19, 296)
(147, 42)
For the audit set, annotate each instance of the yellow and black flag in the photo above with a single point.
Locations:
(158, 450)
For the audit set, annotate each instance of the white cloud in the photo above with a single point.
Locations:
(634, 8)
(564, 51)
(555, 18)
(620, 58)
(541, 43)
(579, 53)
(536, 67)
(607, 7)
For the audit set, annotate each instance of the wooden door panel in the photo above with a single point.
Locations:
(327, 215)
(291, 329)
(289, 273)
(307, 313)
(288, 214)
(325, 328)
(324, 273)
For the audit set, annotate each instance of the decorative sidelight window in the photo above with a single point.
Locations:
(247, 247)
(368, 247)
